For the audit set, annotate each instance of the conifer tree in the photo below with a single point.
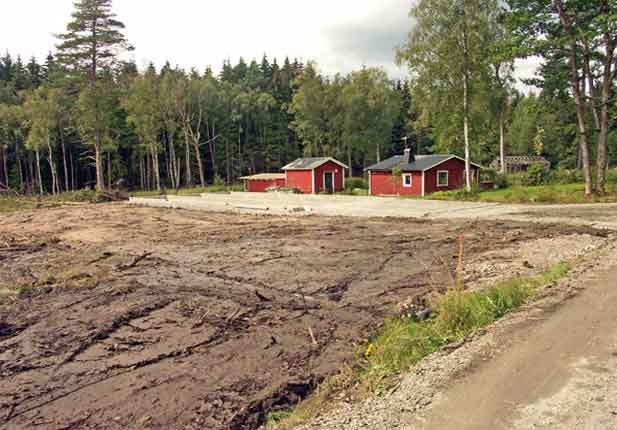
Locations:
(90, 48)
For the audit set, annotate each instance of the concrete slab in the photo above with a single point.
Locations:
(598, 215)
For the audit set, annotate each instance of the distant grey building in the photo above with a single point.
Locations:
(520, 163)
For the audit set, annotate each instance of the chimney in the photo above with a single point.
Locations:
(408, 158)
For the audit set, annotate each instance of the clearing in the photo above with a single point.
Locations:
(115, 316)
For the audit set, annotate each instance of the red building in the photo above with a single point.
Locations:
(261, 182)
(420, 175)
(316, 175)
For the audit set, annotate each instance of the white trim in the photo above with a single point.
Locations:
(370, 183)
(410, 176)
(333, 180)
(312, 181)
(423, 184)
(447, 184)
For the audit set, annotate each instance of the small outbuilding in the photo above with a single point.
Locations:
(316, 175)
(520, 163)
(419, 174)
(261, 182)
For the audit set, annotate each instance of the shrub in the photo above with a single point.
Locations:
(536, 175)
(218, 181)
(356, 183)
(461, 312)
(566, 176)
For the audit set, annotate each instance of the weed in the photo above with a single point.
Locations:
(5, 295)
(25, 291)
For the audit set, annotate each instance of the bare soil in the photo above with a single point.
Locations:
(132, 317)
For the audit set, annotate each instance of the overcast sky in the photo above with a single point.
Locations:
(341, 35)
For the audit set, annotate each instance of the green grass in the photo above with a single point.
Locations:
(403, 342)
(15, 203)
(354, 192)
(548, 194)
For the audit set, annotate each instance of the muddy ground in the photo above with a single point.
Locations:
(133, 317)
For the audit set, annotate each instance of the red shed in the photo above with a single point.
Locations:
(316, 175)
(261, 182)
(420, 175)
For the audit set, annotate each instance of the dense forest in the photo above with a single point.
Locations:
(86, 118)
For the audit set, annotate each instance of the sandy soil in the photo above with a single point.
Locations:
(151, 318)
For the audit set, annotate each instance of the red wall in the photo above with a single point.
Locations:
(300, 179)
(456, 176)
(382, 184)
(330, 166)
(260, 186)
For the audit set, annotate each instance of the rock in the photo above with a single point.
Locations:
(144, 420)
(424, 314)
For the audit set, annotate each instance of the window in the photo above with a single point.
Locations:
(407, 181)
(442, 178)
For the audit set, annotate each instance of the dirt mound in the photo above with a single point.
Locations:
(158, 319)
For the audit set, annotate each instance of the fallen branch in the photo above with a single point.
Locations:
(133, 263)
(201, 320)
(105, 256)
(310, 330)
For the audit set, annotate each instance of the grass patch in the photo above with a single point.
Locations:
(355, 192)
(548, 194)
(16, 203)
(403, 342)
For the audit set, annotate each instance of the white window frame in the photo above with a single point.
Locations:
(405, 176)
(439, 172)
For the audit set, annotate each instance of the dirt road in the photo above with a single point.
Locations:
(131, 317)
(556, 373)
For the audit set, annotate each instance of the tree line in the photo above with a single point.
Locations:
(85, 117)
(461, 58)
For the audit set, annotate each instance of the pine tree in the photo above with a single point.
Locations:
(35, 73)
(90, 47)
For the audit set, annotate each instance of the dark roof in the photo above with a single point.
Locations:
(311, 163)
(421, 163)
